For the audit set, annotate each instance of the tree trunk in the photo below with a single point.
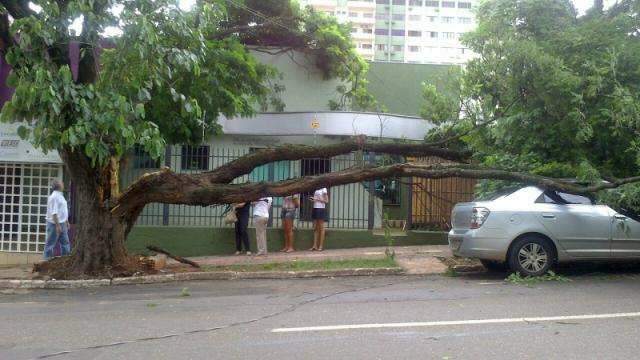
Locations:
(99, 237)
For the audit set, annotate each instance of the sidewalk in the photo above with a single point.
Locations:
(412, 259)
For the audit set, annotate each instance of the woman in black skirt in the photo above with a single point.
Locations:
(319, 215)
(242, 236)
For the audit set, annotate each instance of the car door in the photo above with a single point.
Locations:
(625, 238)
(582, 229)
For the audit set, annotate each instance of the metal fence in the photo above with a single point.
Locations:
(350, 206)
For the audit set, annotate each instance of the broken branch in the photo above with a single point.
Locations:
(174, 257)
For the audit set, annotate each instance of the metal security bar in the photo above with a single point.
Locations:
(349, 205)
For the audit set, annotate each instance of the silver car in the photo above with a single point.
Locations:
(532, 229)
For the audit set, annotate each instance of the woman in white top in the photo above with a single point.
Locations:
(320, 200)
(260, 219)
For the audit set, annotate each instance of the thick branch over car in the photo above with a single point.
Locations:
(204, 189)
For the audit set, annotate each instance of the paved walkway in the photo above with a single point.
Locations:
(413, 259)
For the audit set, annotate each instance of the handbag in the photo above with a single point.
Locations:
(230, 217)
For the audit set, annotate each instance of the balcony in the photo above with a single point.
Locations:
(323, 3)
(362, 36)
(362, 20)
(367, 53)
(368, 5)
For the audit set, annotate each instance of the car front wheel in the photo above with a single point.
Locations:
(531, 256)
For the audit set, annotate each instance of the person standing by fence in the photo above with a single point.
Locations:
(242, 236)
(261, 209)
(290, 205)
(320, 200)
(57, 222)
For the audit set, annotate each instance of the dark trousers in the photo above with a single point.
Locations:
(242, 236)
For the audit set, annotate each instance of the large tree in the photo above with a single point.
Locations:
(165, 76)
(557, 94)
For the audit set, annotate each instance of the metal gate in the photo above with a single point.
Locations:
(24, 190)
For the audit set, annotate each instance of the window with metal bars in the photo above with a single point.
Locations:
(194, 157)
(142, 159)
(311, 167)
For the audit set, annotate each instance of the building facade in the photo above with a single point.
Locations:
(25, 177)
(354, 210)
(414, 31)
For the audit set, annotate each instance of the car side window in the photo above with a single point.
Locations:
(560, 198)
(575, 199)
(545, 199)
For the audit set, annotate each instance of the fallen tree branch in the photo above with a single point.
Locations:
(168, 187)
(245, 164)
(174, 257)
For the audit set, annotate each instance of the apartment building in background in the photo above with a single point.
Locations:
(414, 31)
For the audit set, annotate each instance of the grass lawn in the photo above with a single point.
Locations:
(301, 265)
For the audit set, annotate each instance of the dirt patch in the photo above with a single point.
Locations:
(60, 268)
(421, 265)
(452, 261)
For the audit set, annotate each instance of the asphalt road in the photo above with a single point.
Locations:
(253, 319)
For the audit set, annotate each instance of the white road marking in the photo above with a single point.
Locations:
(457, 322)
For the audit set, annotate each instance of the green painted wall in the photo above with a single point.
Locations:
(305, 87)
(210, 241)
(399, 86)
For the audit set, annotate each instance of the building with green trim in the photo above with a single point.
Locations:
(356, 211)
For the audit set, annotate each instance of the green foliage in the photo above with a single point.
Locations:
(442, 105)
(166, 78)
(438, 108)
(451, 272)
(306, 265)
(389, 252)
(516, 278)
(561, 92)
(185, 292)
(626, 197)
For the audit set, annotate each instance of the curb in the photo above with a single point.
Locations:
(193, 276)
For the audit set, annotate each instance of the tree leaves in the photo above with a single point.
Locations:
(563, 92)
(159, 78)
